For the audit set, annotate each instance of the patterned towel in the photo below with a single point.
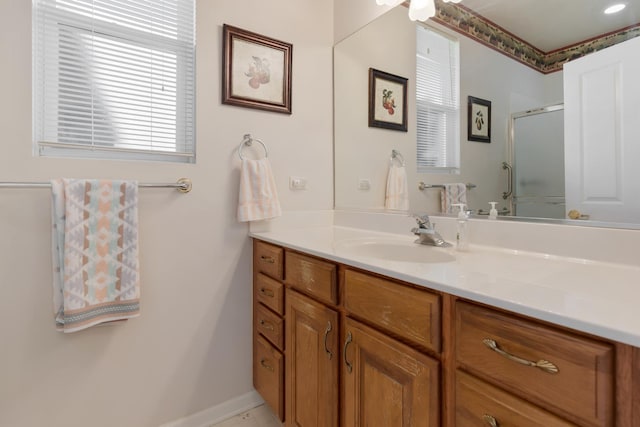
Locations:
(95, 252)
(453, 193)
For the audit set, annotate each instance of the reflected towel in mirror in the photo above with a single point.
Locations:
(452, 194)
(397, 195)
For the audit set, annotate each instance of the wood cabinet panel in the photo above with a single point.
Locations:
(406, 312)
(268, 259)
(269, 292)
(386, 383)
(312, 276)
(311, 363)
(270, 325)
(268, 374)
(479, 404)
(582, 388)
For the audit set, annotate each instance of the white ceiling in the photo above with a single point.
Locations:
(553, 24)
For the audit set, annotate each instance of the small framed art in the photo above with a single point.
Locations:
(479, 120)
(387, 100)
(256, 71)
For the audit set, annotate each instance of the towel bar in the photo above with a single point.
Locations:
(183, 185)
(423, 186)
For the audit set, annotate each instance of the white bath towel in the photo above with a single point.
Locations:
(397, 196)
(452, 194)
(258, 197)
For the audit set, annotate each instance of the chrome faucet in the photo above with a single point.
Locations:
(426, 232)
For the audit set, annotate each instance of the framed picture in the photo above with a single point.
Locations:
(479, 120)
(256, 71)
(387, 100)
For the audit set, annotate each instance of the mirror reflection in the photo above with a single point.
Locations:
(527, 157)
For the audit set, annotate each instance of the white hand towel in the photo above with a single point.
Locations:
(258, 197)
(397, 196)
(452, 194)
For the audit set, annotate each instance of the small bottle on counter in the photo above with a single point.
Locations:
(462, 239)
(493, 213)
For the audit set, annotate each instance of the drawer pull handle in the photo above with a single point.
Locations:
(326, 334)
(540, 364)
(265, 365)
(344, 353)
(267, 325)
(491, 421)
(268, 259)
(267, 292)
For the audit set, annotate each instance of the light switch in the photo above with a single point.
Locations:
(364, 185)
(297, 183)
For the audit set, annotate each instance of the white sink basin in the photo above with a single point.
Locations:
(392, 250)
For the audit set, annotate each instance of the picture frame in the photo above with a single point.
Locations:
(387, 100)
(479, 120)
(256, 71)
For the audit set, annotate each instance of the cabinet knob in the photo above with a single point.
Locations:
(344, 353)
(267, 325)
(267, 292)
(326, 334)
(265, 365)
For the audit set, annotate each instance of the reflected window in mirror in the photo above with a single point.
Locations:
(437, 102)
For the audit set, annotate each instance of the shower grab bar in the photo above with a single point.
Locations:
(183, 185)
(509, 192)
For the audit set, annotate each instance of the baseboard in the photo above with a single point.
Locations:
(219, 412)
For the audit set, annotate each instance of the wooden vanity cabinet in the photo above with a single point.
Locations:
(338, 346)
(268, 325)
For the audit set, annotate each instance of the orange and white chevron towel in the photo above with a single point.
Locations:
(452, 194)
(95, 252)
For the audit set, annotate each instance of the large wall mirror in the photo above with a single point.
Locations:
(525, 83)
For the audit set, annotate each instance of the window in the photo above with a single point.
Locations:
(114, 78)
(437, 102)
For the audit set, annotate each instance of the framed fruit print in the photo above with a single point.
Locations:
(479, 120)
(256, 71)
(387, 100)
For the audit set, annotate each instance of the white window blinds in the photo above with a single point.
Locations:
(437, 102)
(114, 78)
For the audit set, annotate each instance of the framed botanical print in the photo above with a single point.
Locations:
(387, 100)
(479, 120)
(256, 71)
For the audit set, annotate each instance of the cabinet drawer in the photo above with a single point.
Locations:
(267, 259)
(270, 325)
(268, 374)
(312, 276)
(269, 292)
(479, 404)
(582, 387)
(406, 312)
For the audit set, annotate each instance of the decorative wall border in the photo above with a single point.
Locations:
(467, 22)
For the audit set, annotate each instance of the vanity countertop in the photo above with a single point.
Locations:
(599, 298)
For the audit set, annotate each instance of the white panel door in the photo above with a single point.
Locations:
(602, 133)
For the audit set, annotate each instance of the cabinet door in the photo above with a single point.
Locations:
(386, 383)
(311, 363)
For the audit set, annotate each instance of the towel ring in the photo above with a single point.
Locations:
(395, 154)
(248, 141)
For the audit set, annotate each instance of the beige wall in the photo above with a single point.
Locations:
(191, 348)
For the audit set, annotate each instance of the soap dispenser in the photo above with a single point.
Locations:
(462, 239)
(493, 213)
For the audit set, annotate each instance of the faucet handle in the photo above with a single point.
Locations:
(422, 220)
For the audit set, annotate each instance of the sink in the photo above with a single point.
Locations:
(390, 249)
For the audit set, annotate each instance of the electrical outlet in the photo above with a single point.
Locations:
(364, 185)
(297, 183)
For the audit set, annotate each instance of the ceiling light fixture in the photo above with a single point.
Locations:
(419, 10)
(615, 8)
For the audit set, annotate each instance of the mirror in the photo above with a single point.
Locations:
(362, 153)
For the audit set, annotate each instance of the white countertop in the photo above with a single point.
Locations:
(599, 298)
